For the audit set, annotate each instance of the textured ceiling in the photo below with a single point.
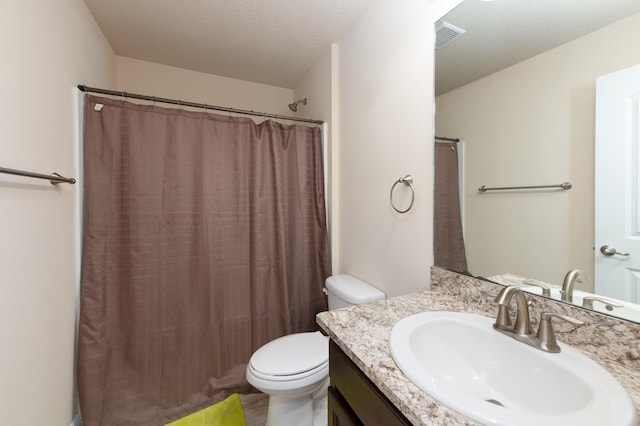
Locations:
(504, 32)
(276, 41)
(266, 41)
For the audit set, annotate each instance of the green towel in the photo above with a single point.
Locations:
(224, 413)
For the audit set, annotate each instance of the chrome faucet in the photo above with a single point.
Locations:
(503, 320)
(566, 293)
(545, 339)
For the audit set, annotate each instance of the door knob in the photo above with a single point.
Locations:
(607, 250)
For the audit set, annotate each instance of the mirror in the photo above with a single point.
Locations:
(518, 89)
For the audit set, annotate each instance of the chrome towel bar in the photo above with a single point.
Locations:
(565, 186)
(54, 178)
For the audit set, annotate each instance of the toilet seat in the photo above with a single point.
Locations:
(291, 377)
(291, 357)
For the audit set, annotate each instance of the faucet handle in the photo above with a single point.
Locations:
(545, 331)
(546, 290)
(503, 320)
(587, 302)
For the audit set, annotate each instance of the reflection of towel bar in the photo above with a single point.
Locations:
(565, 186)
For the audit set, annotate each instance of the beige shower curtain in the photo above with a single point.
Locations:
(448, 241)
(205, 237)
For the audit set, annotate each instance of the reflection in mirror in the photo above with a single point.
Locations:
(518, 90)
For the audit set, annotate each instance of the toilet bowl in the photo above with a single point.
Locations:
(294, 369)
(291, 370)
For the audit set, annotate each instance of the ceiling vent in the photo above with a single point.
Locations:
(446, 32)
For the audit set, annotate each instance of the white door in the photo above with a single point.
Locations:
(617, 186)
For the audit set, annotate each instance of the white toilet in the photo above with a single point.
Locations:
(294, 370)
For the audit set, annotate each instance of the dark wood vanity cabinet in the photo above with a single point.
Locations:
(353, 399)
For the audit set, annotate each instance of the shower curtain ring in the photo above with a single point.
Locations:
(408, 181)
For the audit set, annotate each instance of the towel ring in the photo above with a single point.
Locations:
(407, 180)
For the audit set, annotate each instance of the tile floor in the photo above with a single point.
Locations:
(255, 406)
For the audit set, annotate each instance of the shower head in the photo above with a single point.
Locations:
(294, 106)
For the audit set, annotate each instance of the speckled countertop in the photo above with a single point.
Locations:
(362, 332)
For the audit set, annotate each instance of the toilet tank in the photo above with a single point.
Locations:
(345, 290)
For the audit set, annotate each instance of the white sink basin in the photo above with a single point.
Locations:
(461, 361)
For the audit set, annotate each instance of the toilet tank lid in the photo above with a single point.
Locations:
(352, 289)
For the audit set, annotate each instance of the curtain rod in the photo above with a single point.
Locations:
(441, 138)
(84, 88)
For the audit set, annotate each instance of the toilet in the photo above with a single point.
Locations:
(294, 370)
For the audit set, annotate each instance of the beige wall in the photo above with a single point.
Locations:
(386, 128)
(320, 87)
(152, 79)
(383, 73)
(533, 123)
(48, 47)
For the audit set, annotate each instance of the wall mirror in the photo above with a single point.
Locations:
(518, 89)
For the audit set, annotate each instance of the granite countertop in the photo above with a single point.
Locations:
(362, 332)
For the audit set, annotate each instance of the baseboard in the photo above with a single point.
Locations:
(76, 420)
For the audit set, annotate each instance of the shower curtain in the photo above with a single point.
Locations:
(205, 237)
(448, 241)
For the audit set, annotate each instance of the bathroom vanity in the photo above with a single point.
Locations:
(353, 399)
(368, 387)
